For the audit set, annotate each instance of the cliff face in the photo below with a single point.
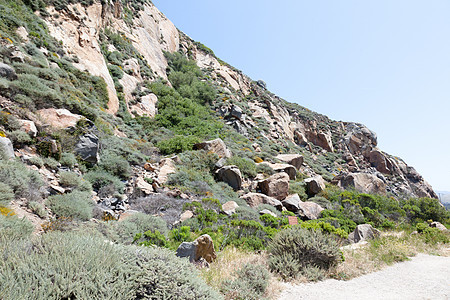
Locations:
(339, 151)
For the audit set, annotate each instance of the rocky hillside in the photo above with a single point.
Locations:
(114, 87)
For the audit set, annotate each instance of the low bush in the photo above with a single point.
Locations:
(75, 266)
(177, 144)
(68, 160)
(101, 179)
(37, 208)
(295, 248)
(77, 205)
(13, 228)
(74, 181)
(24, 182)
(6, 194)
(245, 165)
(250, 284)
(115, 164)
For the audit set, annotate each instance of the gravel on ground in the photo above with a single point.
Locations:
(422, 277)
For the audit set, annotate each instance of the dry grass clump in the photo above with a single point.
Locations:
(229, 261)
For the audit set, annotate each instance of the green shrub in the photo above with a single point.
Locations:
(177, 144)
(6, 194)
(100, 179)
(126, 230)
(296, 248)
(19, 138)
(13, 228)
(298, 188)
(115, 71)
(75, 266)
(77, 205)
(115, 164)
(68, 160)
(264, 169)
(37, 208)
(245, 165)
(37, 161)
(74, 181)
(24, 182)
(51, 163)
(250, 284)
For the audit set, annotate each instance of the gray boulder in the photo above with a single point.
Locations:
(236, 112)
(88, 147)
(292, 203)
(7, 72)
(6, 148)
(230, 175)
(363, 232)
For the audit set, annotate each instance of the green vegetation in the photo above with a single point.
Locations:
(77, 205)
(251, 283)
(297, 250)
(102, 270)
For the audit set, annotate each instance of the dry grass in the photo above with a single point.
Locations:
(390, 248)
(231, 259)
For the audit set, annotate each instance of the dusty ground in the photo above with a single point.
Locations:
(423, 277)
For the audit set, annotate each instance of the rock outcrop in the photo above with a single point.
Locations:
(216, 146)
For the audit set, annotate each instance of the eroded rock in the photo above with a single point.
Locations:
(202, 247)
(295, 160)
(363, 232)
(255, 199)
(230, 175)
(314, 185)
(276, 186)
(216, 146)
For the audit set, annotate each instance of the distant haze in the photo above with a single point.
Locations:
(383, 63)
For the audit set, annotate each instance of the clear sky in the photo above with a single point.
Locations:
(383, 63)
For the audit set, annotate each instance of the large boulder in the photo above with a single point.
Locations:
(276, 186)
(295, 160)
(202, 247)
(88, 148)
(230, 175)
(7, 72)
(310, 210)
(286, 168)
(321, 139)
(6, 148)
(363, 183)
(292, 203)
(255, 199)
(314, 185)
(216, 146)
(59, 118)
(363, 232)
(380, 161)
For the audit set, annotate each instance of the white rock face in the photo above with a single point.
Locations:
(79, 28)
(80, 38)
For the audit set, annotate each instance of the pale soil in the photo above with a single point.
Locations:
(423, 277)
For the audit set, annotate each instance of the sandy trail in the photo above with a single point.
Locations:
(423, 277)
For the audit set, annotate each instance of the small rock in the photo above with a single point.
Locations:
(143, 186)
(29, 127)
(363, 232)
(186, 215)
(149, 167)
(229, 207)
(268, 212)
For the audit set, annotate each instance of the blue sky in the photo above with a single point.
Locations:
(382, 63)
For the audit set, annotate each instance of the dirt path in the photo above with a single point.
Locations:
(423, 277)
